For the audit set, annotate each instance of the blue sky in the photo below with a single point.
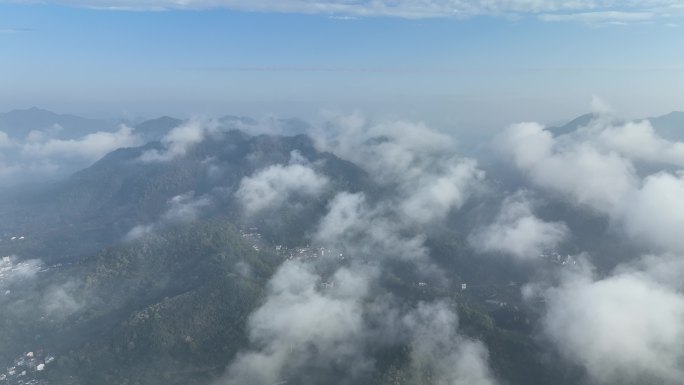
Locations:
(488, 65)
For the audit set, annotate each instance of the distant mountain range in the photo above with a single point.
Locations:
(19, 123)
(669, 126)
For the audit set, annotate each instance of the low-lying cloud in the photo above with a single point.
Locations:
(518, 232)
(180, 139)
(182, 208)
(595, 167)
(275, 185)
(624, 328)
(42, 156)
(90, 147)
(316, 322)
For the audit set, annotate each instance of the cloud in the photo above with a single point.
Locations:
(13, 271)
(302, 325)
(185, 208)
(438, 348)
(365, 231)
(306, 332)
(90, 147)
(655, 212)
(14, 30)
(181, 209)
(41, 156)
(601, 17)
(277, 184)
(579, 171)
(549, 10)
(62, 300)
(625, 328)
(595, 167)
(5, 140)
(419, 163)
(180, 139)
(517, 231)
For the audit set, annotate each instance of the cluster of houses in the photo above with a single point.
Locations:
(9, 266)
(253, 236)
(555, 257)
(26, 368)
(307, 252)
(15, 238)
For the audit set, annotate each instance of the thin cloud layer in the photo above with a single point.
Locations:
(549, 10)
(41, 155)
(301, 325)
(181, 209)
(90, 147)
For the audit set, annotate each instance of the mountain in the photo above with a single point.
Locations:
(120, 191)
(669, 126)
(19, 123)
(572, 126)
(155, 129)
(171, 305)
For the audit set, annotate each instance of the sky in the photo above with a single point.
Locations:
(478, 64)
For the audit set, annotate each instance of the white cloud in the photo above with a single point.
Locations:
(180, 139)
(419, 163)
(639, 141)
(275, 185)
(517, 231)
(304, 328)
(63, 300)
(185, 208)
(5, 140)
(578, 171)
(550, 10)
(367, 231)
(625, 328)
(181, 209)
(595, 167)
(655, 212)
(434, 196)
(41, 156)
(438, 348)
(601, 17)
(90, 147)
(301, 325)
(12, 270)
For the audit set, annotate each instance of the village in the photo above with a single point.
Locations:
(554, 257)
(27, 368)
(10, 267)
(254, 237)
